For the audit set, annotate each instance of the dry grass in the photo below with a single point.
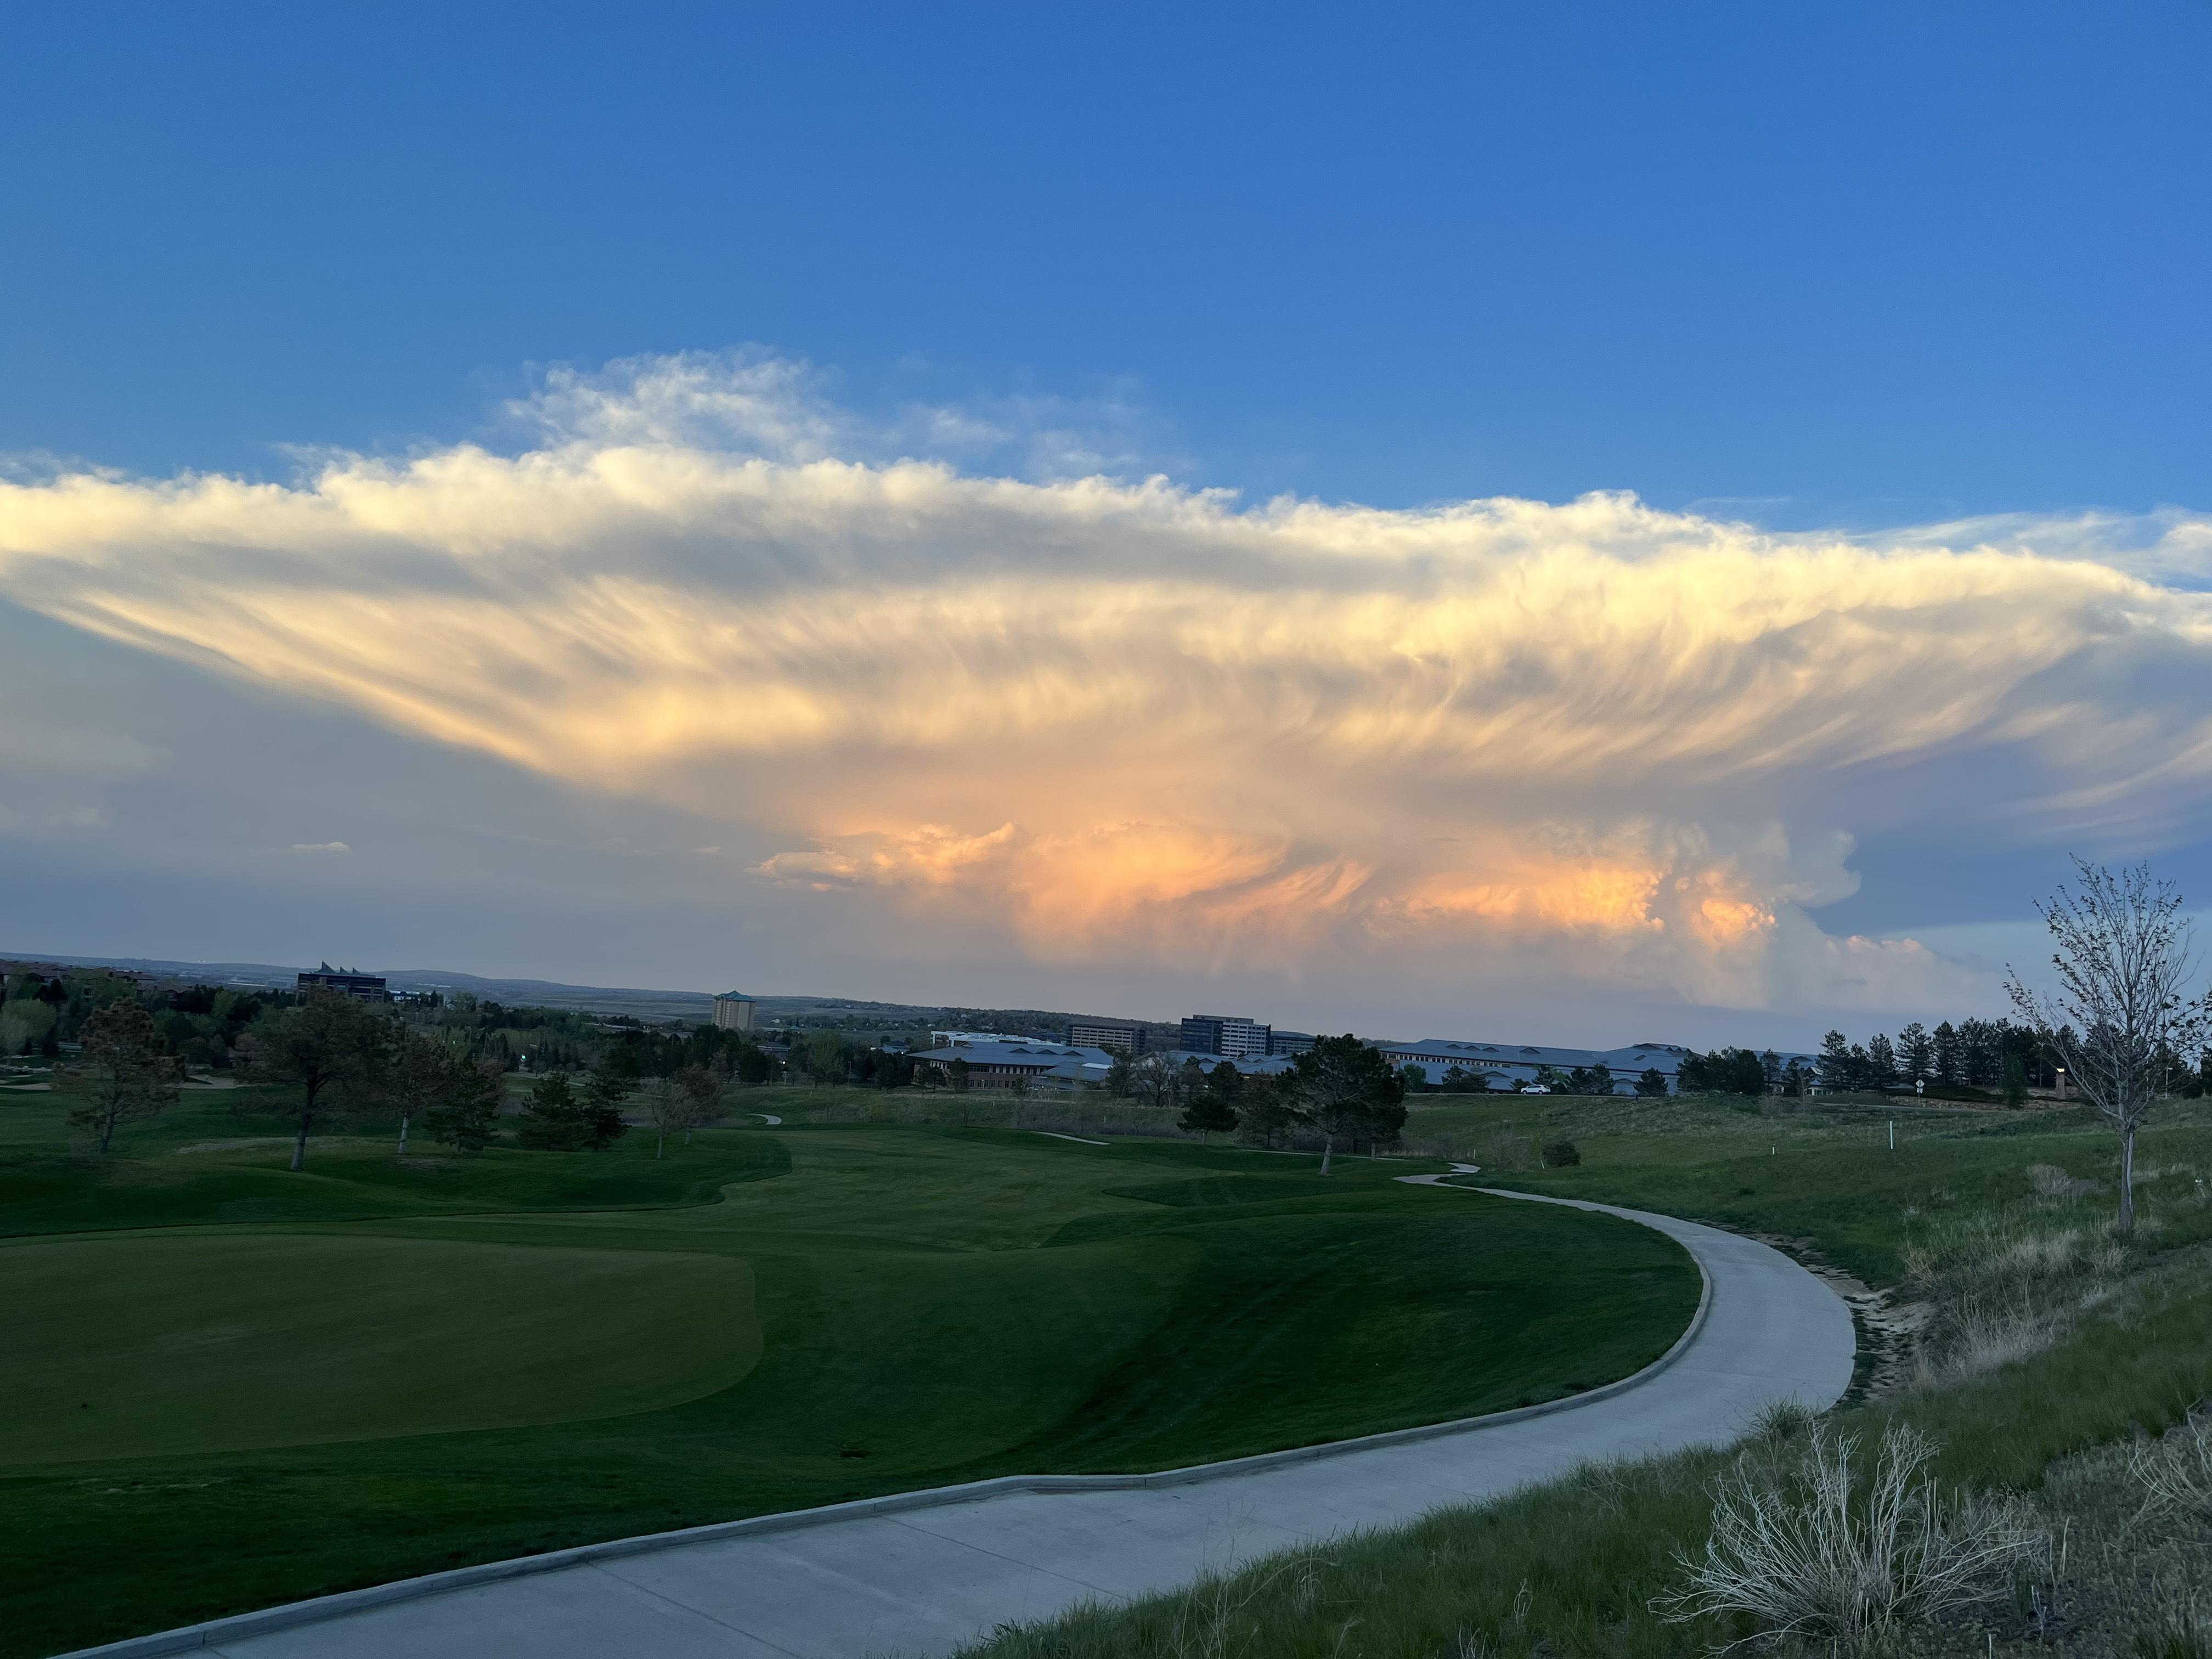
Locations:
(1818, 1549)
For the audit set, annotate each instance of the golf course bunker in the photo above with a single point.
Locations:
(156, 1344)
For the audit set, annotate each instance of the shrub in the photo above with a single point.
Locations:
(1818, 1554)
(2175, 1473)
(1561, 1154)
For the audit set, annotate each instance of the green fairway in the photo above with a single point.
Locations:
(134, 1345)
(381, 1367)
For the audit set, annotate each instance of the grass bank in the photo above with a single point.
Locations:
(2085, 1345)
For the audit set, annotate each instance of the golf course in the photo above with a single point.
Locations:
(231, 1384)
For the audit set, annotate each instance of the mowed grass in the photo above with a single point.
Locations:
(141, 1345)
(414, 1365)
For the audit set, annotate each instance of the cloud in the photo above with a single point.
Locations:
(1120, 719)
(320, 847)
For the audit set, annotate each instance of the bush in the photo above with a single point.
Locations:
(1819, 1554)
(1561, 1154)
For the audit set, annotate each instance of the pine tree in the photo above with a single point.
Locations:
(555, 1121)
(1836, 1061)
(1947, 1055)
(1916, 1053)
(1881, 1062)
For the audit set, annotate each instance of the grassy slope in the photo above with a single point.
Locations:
(1571, 1568)
(933, 1305)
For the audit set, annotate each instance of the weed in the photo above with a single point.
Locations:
(1819, 1553)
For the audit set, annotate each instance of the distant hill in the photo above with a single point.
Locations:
(846, 1013)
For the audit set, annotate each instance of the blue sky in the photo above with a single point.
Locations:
(1863, 271)
(1867, 264)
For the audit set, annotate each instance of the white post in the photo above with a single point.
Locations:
(1892, 1135)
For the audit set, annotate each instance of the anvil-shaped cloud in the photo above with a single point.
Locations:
(1125, 722)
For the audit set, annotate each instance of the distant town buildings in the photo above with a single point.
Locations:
(1515, 1064)
(1002, 1062)
(1106, 1034)
(1234, 1038)
(1231, 1036)
(367, 988)
(733, 1011)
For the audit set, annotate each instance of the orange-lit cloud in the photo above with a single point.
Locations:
(1133, 719)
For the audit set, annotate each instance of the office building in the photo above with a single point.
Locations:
(733, 1011)
(1106, 1034)
(366, 988)
(1231, 1036)
(1289, 1042)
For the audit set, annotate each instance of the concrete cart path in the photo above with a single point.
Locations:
(932, 1574)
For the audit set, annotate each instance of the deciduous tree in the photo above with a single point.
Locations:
(131, 1073)
(2125, 958)
(424, 1075)
(334, 1047)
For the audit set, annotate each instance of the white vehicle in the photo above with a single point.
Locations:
(1535, 1088)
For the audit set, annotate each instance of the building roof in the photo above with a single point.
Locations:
(1664, 1057)
(732, 996)
(1060, 1059)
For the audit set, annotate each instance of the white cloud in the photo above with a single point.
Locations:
(320, 847)
(1137, 722)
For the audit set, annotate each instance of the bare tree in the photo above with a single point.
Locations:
(702, 1097)
(131, 1075)
(665, 1106)
(2125, 958)
(424, 1075)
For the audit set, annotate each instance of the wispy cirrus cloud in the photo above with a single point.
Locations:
(1130, 719)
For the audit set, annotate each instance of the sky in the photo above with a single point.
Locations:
(1587, 524)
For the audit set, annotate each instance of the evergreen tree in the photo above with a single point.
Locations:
(1266, 1115)
(1881, 1062)
(1653, 1083)
(1836, 1061)
(467, 1119)
(1916, 1053)
(607, 1088)
(1212, 1105)
(1345, 1089)
(555, 1121)
(1949, 1059)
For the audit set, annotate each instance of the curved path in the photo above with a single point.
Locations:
(922, 1572)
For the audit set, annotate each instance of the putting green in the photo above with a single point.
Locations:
(146, 1344)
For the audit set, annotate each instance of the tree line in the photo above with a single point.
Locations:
(1340, 1090)
(345, 1057)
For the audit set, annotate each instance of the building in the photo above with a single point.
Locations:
(1289, 1042)
(1001, 1063)
(1231, 1036)
(733, 1011)
(1511, 1065)
(947, 1039)
(1106, 1034)
(369, 987)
